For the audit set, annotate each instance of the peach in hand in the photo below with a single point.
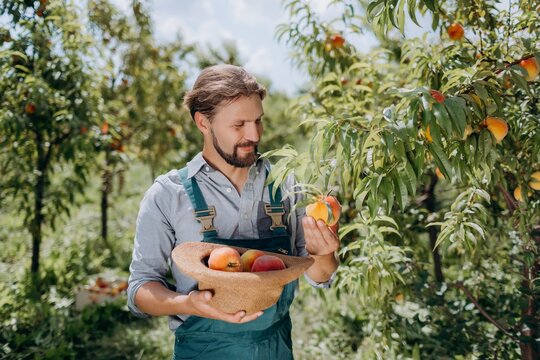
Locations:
(327, 209)
(267, 263)
(249, 257)
(225, 259)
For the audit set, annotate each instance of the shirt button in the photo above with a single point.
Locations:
(246, 216)
(229, 190)
(207, 168)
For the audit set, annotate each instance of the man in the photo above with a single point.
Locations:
(224, 188)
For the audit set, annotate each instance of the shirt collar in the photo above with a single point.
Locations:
(198, 162)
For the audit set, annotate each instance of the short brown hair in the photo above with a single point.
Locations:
(220, 84)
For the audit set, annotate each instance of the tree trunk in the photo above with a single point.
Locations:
(106, 184)
(429, 202)
(529, 314)
(39, 193)
(37, 222)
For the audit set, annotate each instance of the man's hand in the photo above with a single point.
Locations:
(198, 300)
(320, 239)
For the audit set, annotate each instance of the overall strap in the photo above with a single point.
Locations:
(275, 210)
(205, 214)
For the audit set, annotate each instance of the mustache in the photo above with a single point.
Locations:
(247, 143)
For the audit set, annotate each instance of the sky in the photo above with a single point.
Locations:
(251, 25)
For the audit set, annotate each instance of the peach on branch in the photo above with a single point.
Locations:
(535, 180)
(456, 32)
(532, 68)
(438, 96)
(225, 259)
(497, 126)
(337, 41)
(267, 263)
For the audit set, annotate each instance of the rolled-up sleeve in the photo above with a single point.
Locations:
(154, 241)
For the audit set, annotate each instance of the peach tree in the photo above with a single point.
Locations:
(433, 144)
(47, 105)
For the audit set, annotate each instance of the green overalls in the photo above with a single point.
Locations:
(267, 337)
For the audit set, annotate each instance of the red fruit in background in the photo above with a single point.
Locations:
(337, 41)
(267, 263)
(105, 128)
(225, 259)
(456, 32)
(249, 257)
(30, 108)
(438, 96)
(101, 283)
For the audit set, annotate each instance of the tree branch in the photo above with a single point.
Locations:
(512, 206)
(459, 285)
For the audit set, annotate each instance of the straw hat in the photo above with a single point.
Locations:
(235, 291)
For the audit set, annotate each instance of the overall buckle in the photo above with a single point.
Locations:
(276, 213)
(207, 220)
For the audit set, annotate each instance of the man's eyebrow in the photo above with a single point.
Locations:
(244, 120)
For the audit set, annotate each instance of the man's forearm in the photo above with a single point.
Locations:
(323, 267)
(155, 299)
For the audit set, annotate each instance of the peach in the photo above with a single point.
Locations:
(535, 180)
(30, 108)
(532, 68)
(428, 135)
(517, 194)
(249, 257)
(456, 32)
(439, 173)
(327, 209)
(267, 263)
(337, 41)
(438, 96)
(497, 126)
(225, 259)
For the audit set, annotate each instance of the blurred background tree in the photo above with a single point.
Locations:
(48, 102)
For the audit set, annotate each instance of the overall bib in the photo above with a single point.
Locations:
(267, 337)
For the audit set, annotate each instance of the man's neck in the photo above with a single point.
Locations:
(236, 175)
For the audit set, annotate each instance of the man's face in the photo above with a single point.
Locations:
(236, 130)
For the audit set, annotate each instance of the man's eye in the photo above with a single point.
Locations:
(238, 126)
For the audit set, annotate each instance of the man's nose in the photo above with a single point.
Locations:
(252, 132)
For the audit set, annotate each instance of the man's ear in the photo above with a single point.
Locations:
(202, 122)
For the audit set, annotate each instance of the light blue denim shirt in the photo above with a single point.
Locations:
(166, 219)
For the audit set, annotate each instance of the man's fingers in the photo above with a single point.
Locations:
(200, 300)
(251, 317)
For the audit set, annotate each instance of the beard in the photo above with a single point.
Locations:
(233, 159)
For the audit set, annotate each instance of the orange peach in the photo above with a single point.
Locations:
(532, 68)
(497, 126)
(535, 180)
(518, 194)
(456, 32)
(225, 259)
(428, 135)
(327, 209)
(267, 263)
(249, 257)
